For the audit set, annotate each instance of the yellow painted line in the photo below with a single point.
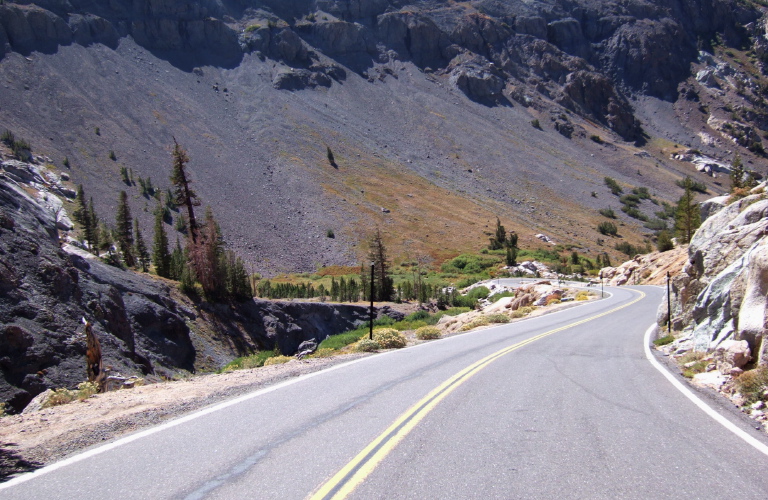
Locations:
(351, 475)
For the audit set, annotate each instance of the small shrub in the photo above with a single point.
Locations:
(752, 383)
(428, 333)
(634, 213)
(696, 363)
(475, 323)
(696, 186)
(613, 186)
(535, 123)
(330, 234)
(582, 295)
(97, 131)
(66, 161)
(252, 27)
(498, 318)
(366, 345)
(667, 339)
(607, 212)
(389, 338)
(608, 228)
(277, 360)
(523, 311)
(59, 397)
(112, 155)
(2, 410)
(86, 389)
(596, 138)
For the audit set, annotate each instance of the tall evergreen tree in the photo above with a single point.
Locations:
(160, 256)
(737, 174)
(687, 214)
(382, 286)
(80, 213)
(205, 257)
(178, 261)
(183, 195)
(92, 228)
(124, 230)
(140, 248)
(511, 245)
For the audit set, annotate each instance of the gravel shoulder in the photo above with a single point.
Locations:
(29, 441)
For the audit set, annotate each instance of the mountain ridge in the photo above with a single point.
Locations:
(436, 94)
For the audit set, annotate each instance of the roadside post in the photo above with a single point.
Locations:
(370, 322)
(669, 305)
(602, 293)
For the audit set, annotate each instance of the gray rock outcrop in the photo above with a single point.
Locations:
(721, 295)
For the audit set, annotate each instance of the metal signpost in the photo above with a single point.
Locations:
(669, 306)
(370, 334)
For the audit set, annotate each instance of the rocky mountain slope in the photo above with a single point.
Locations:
(144, 325)
(440, 115)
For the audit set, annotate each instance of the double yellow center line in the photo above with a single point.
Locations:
(355, 472)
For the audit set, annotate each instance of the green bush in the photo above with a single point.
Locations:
(468, 264)
(607, 212)
(389, 338)
(668, 339)
(613, 186)
(608, 228)
(366, 345)
(428, 333)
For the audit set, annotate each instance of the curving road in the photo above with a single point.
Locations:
(564, 405)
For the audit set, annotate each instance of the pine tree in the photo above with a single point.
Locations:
(236, 282)
(511, 244)
(124, 230)
(140, 248)
(92, 228)
(80, 213)
(383, 285)
(737, 174)
(687, 215)
(183, 195)
(205, 257)
(499, 239)
(178, 262)
(160, 256)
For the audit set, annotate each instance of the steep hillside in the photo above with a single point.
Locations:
(428, 108)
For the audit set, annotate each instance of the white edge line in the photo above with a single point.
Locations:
(167, 425)
(697, 401)
(173, 423)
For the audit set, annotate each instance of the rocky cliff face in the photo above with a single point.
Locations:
(586, 55)
(145, 328)
(720, 295)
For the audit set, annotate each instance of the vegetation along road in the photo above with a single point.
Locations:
(560, 406)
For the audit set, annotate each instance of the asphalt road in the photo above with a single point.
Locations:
(561, 406)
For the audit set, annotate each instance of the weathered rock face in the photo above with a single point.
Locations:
(144, 327)
(586, 54)
(721, 294)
